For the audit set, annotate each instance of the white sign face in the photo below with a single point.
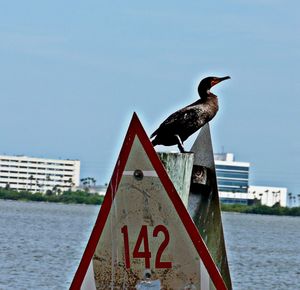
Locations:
(144, 237)
(143, 231)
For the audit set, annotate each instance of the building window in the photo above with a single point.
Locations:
(242, 175)
(232, 167)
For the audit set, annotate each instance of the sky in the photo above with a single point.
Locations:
(73, 72)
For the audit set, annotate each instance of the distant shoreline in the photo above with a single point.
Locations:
(261, 209)
(83, 197)
(75, 197)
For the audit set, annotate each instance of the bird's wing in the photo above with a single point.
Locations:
(182, 118)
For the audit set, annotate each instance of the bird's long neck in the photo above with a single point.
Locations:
(210, 102)
(203, 93)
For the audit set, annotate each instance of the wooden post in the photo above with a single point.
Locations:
(179, 167)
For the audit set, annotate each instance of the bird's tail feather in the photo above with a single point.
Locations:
(154, 142)
(154, 133)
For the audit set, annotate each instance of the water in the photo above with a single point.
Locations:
(41, 245)
(263, 251)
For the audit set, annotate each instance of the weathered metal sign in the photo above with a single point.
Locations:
(204, 205)
(144, 237)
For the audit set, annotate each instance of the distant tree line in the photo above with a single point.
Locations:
(80, 196)
(276, 209)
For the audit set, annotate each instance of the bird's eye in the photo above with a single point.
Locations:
(214, 82)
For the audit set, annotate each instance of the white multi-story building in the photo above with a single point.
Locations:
(233, 184)
(269, 195)
(233, 178)
(38, 174)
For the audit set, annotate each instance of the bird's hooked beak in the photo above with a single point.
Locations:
(218, 80)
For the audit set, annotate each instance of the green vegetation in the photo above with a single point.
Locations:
(261, 209)
(84, 197)
(65, 197)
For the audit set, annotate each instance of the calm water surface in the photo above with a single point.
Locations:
(41, 245)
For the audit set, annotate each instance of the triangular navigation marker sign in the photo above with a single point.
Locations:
(204, 205)
(143, 237)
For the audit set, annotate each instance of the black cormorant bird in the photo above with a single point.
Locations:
(183, 123)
